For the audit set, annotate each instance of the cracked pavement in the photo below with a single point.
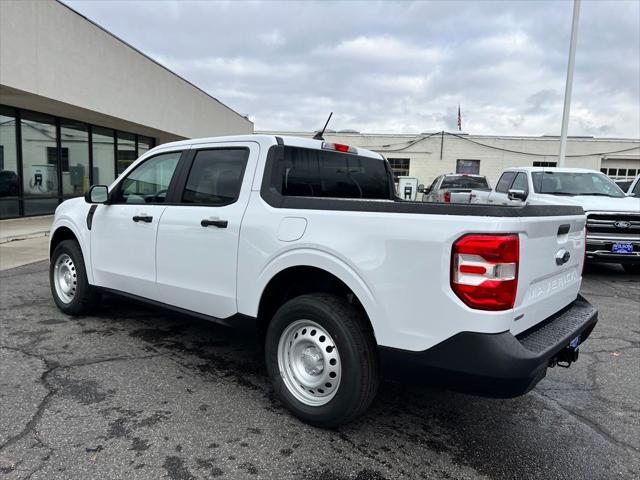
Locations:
(137, 392)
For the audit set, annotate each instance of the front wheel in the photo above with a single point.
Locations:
(68, 280)
(322, 359)
(632, 268)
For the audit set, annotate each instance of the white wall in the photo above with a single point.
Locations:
(49, 51)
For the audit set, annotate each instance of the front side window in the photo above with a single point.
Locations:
(216, 176)
(505, 182)
(521, 183)
(575, 183)
(149, 182)
(316, 173)
(636, 189)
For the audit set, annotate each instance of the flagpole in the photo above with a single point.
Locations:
(569, 84)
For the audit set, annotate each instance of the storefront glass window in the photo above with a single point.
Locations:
(39, 162)
(103, 151)
(126, 151)
(144, 144)
(74, 138)
(9, 184)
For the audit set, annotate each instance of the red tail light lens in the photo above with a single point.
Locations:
(484, 270)
(447, 197)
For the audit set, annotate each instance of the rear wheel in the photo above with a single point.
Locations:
(322, 359)
(632, 268)
(68, 280)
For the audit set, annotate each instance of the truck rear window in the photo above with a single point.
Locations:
(464, 181)
(316, 173)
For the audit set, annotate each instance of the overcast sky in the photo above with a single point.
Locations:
(397, 67)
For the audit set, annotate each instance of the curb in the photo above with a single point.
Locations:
(25, 236)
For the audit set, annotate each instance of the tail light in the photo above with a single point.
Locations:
(339, 147)
(484, 270)
(447, 197)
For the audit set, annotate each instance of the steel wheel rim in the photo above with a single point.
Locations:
(309, 363)
(65, 278)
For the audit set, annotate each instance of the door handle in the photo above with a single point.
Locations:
(142, 218)
(215, 223)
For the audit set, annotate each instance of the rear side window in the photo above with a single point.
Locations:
(315, 173)
(464, 181)
(216, 176)
(505, 182)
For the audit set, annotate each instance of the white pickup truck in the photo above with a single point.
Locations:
(454, 188)
(305, 241)
(613, 218)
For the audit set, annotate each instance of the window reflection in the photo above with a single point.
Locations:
(126, 151)
(103, 150)
(39, 155)
(9, 186)
(144, 144)
(74, 138)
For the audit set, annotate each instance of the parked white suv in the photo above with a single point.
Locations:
(613, 218)
(306, 241)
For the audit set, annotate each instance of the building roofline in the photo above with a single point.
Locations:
(461, 134)
(61, 2)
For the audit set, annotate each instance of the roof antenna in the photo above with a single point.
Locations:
(318, 135)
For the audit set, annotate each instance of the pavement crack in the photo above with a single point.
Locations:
(590, 423)
(52, 391)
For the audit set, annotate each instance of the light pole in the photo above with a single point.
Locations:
(569, 84)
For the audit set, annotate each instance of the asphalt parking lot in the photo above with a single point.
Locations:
(135, 392)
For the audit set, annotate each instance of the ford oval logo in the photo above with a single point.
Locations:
(562, 257)
(622, 224)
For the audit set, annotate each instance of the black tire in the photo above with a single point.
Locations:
(86, 297)
(356, 346)
(633, 268)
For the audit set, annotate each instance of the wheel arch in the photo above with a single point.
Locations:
(61, 233)
(65, 229)
(299, 273)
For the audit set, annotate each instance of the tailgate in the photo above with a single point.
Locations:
(460, 195)
(550, 270)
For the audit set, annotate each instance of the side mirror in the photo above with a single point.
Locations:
(517, 195)
(421, 188)
(97, 194)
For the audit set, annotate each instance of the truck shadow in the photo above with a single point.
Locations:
(530, 436)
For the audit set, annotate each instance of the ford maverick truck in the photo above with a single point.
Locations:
(306, 241)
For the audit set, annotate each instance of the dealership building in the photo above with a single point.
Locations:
(78, 105)
(427, 155)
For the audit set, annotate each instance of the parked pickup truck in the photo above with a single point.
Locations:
(305, 241)
(613, 219)
(454, 188)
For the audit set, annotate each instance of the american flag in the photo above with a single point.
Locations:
(459, 119)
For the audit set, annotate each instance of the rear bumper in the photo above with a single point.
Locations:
(498, 365)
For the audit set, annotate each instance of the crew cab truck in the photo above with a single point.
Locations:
(613, 218)
(454, 188)
(306, 241)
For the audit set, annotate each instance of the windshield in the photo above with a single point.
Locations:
(636, 189)
(464, 181)
(575, 183)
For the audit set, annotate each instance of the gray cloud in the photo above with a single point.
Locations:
(397, 66)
